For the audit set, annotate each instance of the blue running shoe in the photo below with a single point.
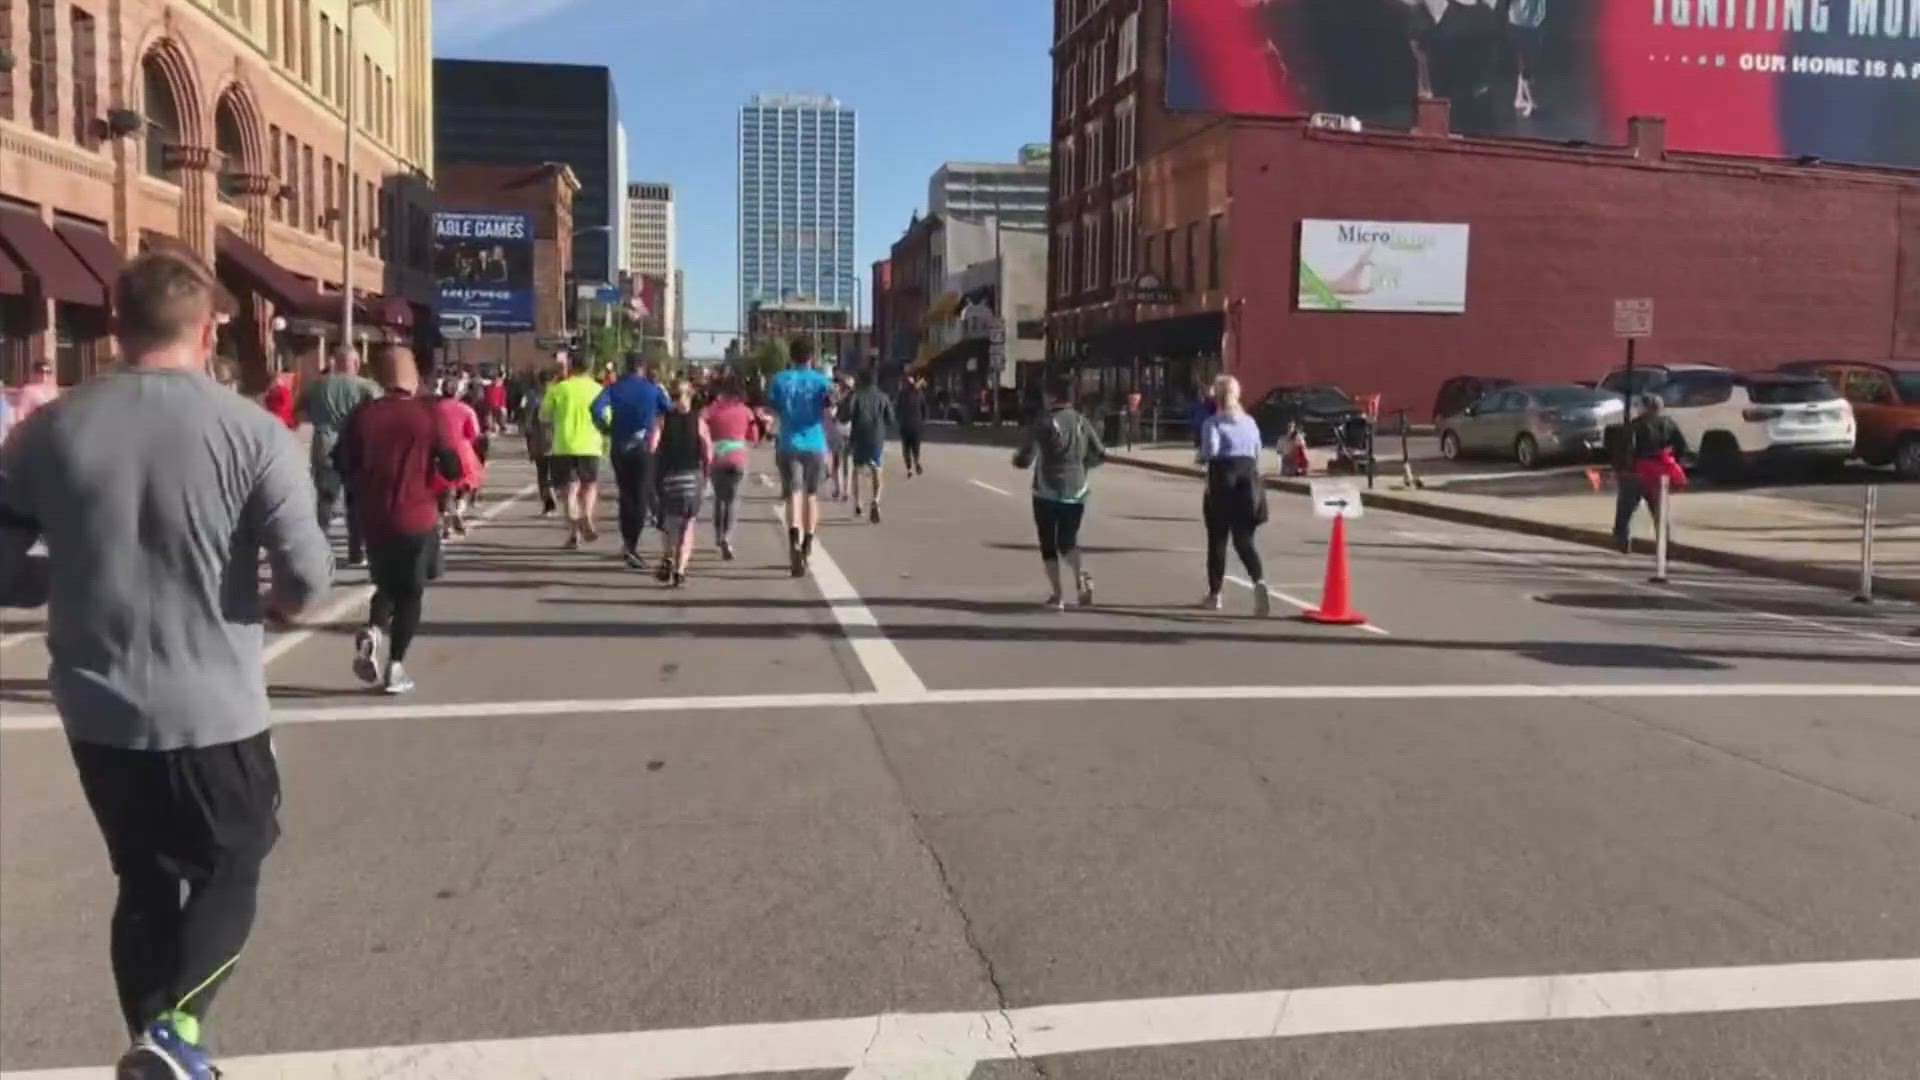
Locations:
(163, 1053)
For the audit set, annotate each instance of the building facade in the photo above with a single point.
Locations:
(493, 112)
(653, 256)
(1013, 191)
(219, 127)
(1176, 242)
(547, 193)
(798, 171)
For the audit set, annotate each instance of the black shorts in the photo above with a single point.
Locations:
(402, 565)
(566, 470)
(187, 813)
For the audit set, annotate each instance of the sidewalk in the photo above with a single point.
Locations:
(1747, 531)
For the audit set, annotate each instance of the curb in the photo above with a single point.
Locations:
(1824, 577)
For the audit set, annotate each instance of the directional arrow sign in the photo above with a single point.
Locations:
(1336, 498)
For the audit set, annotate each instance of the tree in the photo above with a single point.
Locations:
(766, 358)
(608, 345)
(658, 357)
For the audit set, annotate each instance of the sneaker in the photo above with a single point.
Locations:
(664, 572)
(796, 561)
(920, 470)
(1211, 602)
(634, 560)
(573, 542)
(856, 509)
(1086, 589)
(357, 561)
(1056, 602)
(726, 551)
(366, 655)
(873, 513)
(1262, 601)
(398, 681)
(679, 578)
(588, 532)
(163, 1053)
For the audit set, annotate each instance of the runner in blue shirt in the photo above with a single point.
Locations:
(801, 399)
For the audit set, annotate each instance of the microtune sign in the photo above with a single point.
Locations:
(1383, 266)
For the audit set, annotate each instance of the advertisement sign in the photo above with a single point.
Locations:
(483, 262)
(1383, 266)
(1833, 79)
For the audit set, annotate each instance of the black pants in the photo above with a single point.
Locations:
(910, 447)
(203, 818)
(543, 478)
(1058, 524)
(633, 471)
(1232, 513)
(1627, 500)
(333, 496)
(400, 567)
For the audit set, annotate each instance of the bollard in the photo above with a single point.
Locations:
(1662, 526)
(1868, 513)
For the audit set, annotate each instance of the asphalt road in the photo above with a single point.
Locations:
(1539, 819)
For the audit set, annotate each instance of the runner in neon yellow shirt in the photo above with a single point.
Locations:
(578, 446)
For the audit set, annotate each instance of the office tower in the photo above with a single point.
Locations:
(492, 112)
(797, 190)
(1013, 191)
(652, 255)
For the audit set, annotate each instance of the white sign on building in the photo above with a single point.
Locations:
(1383, 266)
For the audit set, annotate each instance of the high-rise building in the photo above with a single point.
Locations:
(1013, 191)
(797, 191)
(623, 221)
(494, 112)
(652, 254)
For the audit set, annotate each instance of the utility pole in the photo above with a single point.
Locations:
(346, 197)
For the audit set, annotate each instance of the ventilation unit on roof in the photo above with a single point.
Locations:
(1334, 122)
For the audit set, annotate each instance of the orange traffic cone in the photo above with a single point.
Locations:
(1336, 605)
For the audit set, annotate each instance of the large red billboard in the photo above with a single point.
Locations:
(1833, 79)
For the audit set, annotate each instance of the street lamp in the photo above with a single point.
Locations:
(346, 197)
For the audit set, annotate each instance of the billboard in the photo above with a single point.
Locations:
(1383, 266)
(483, 264)
(1833, 79)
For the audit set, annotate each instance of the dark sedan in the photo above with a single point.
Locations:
(1321, 411)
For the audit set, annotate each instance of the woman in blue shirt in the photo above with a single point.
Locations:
(1236, 501)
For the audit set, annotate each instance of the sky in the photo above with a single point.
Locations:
(931, 82)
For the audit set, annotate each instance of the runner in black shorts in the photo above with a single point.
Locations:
(869, 415)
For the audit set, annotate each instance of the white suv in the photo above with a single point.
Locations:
(1734, 421)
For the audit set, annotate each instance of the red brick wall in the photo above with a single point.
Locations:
(1747, 265)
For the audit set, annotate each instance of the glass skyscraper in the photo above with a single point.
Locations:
(796, 202)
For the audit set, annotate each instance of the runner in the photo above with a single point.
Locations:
(1235, 505)
(394, 453)
(869, 413)
(1062, 449)
(539, 437)
(912, 411)
(461, 428)
(733, 427)
(839, 430)
(577, 446)
(326, 403)
(682, 448)
(627, 410)
(801, 398)
(155, 490)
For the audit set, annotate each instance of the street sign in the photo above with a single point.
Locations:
(608, 294)
(458, 326)
(1632, 319)
(997, 348)
(1336, 498)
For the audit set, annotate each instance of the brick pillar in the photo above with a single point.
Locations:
(196, 166)
(254, 324)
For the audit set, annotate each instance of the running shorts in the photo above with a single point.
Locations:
(185, 813)
(800, 471)
(567, 469)
(869, 452)
(680, 499)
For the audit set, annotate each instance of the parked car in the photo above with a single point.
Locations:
(1886, 408)
(1463, 390)
(1321, 411)
(1734, 422)
(1531, 424)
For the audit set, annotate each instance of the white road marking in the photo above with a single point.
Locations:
(8, 641)
(1303, 605)
(12, 719)
(1522, 557)
(886, 668)
(990, 487)
(901, 1046)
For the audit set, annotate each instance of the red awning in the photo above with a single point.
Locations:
(94, 247)
(253, 271)
(61, 274)
(13, 282)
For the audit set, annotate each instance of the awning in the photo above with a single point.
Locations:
(956, 355)
(94, 247)
(1182, 337)
(253, 271)
(13, 280)
(61, 274)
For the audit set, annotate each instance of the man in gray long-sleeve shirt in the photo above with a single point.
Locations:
(155, 490)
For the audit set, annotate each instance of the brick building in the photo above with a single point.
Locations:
(219, 125)
(1176, 236)
(547, 193)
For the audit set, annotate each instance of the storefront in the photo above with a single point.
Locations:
(48, 288)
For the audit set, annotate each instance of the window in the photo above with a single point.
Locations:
(1150, 258)
(86, 79)
(1125, 116)
(1166, 257)
(343, 64)
(308, 202)
(306, 46)
(1216, 235)
(1063, 259)
(1092, 269)
(43, 67)
(1096, 152)
(273, 28)
(277, 158)
(1187, 259)
(326, 58)
(1128, 60)
(1065, 166)
(1122, 240)
(1097, 68)
(1070, 90)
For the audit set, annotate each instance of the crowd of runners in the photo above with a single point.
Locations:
(156, 490)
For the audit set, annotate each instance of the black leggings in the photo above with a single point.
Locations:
(910, 447)
(633, 471)
(1231, 513)
(401, 567)
(1058, 524)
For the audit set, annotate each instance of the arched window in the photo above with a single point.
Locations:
(163, 116)
(231, 144)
